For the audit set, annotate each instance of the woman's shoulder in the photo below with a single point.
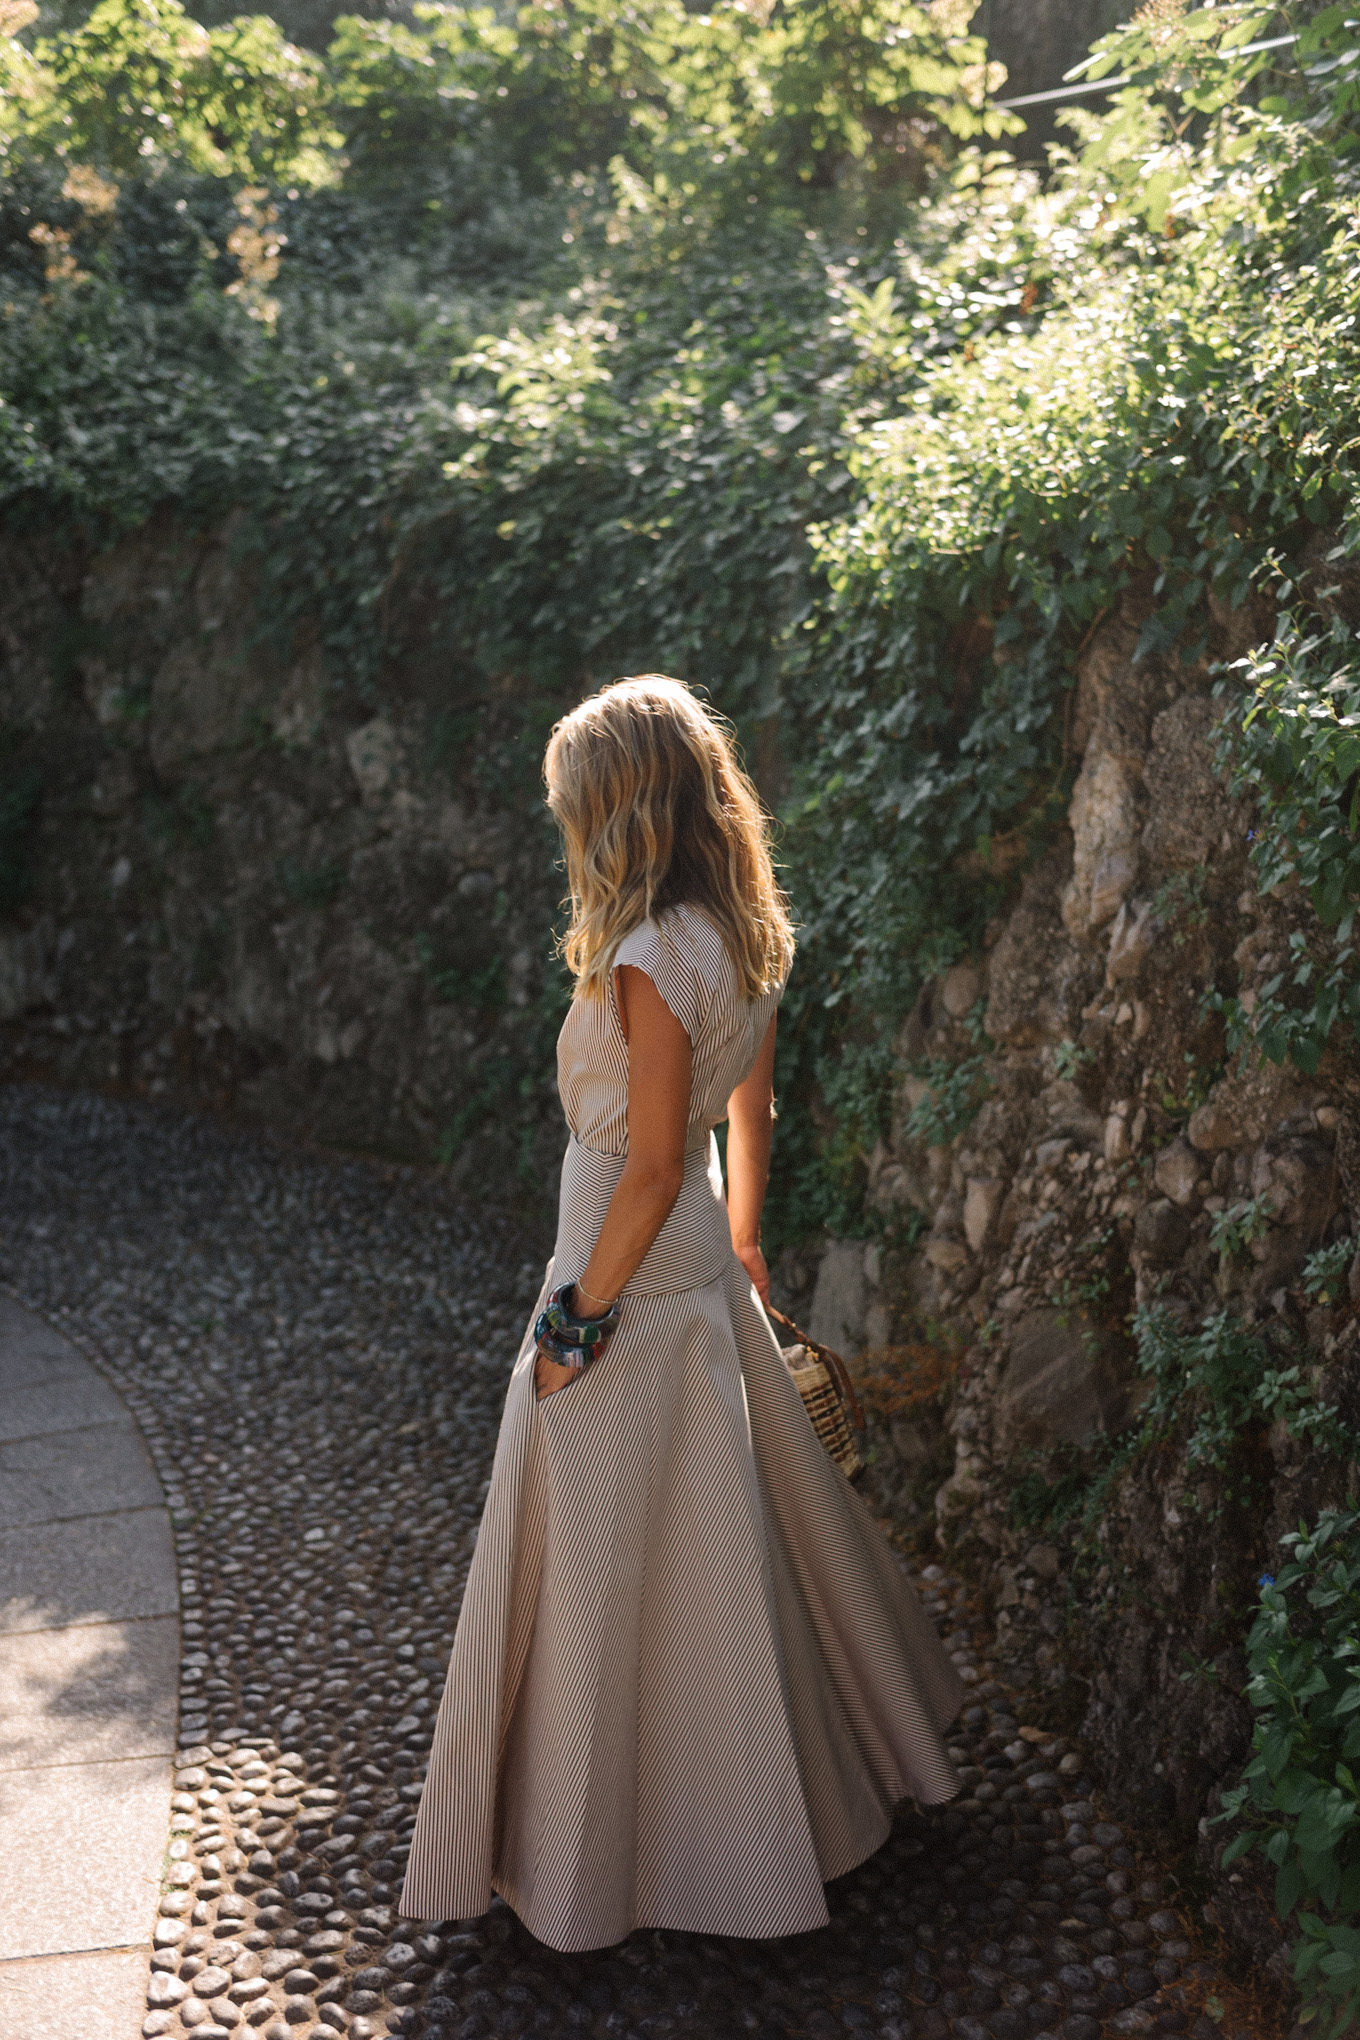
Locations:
(679, 929)
(699, 932)
(641, 945)
(687, 939)
(676, 955)
(693, 937)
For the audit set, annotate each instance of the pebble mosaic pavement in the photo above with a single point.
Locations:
(317, 1350)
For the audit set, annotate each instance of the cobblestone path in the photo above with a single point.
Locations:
(317, 1352)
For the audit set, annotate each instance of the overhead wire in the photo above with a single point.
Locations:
(1062, 92)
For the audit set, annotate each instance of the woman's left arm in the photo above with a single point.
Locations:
(750, 1129)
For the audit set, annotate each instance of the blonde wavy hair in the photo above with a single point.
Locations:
(655, 810)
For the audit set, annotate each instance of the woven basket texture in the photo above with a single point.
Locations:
(822, 1401)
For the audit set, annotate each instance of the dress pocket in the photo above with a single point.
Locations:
(543, 1402)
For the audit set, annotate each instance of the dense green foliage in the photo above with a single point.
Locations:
(1211, 1382)
(1208, 1387)
(1292, 741)
(767, 97)
(141, 82)
(606, 337)
(1186, 404)
(1299, 1799)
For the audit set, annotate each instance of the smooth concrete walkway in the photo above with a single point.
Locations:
(89, 1678)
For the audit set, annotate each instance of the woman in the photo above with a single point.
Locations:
(688, 1682)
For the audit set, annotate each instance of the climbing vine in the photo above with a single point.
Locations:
(1291, 739)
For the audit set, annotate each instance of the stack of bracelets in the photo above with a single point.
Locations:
(570, 1340)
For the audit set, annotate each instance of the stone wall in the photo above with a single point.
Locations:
(1112, 1131)
(246, 885)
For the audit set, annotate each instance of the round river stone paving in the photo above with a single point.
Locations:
(317, 1351)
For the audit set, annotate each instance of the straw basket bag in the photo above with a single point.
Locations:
(823, 1381)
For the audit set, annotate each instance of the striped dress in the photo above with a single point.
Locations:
(689, 1682)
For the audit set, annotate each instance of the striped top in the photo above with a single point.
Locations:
(687, 960)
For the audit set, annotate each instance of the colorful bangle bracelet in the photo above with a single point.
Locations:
(577, 1357)
(573, 1341)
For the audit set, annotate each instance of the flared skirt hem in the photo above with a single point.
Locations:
(690, 1682)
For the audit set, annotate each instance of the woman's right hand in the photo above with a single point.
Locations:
(753, 1261)
(549, 1376)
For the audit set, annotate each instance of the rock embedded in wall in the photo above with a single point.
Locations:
(1178, 1172)
(1135, 931)
(1190, 817)
(961, 990)
(981, 1202)
(375, 759)
(1161, 1234)
(29, 959)
(1039, 976)
(839, 1300)
(1106, 820)
(1062, 1384)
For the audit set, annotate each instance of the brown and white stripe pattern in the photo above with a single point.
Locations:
(687, 961)
(689, 1682)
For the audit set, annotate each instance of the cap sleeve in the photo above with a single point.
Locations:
(674, 973)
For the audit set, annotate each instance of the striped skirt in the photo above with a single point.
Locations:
(689, 1682)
